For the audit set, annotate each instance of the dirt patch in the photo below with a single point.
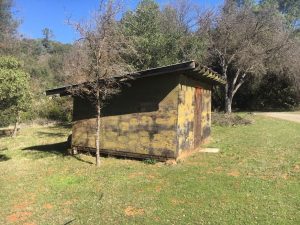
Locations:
(69, 202)
(47, 206)
(297, 168)
(131, 211)
(23, 205)
(283, 115)
(18, 216)
(151, 176)
(285, 176)
(171, 162)
(175, 201)
(234, 173)
(134, 175)
(219, 168)
(183, 155)
(158, 188)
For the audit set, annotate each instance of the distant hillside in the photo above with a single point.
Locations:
(43, 60)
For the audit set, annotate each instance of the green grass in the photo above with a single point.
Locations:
(255, 179)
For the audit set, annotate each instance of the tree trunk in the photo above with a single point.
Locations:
(228, 103)
(15, 131)
(228, 99)
(98, 134)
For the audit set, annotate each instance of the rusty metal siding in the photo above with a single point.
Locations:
(185, 122)
(198, 117)
(205, 114)
(194, 114)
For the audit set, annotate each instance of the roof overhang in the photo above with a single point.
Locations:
(189, 68)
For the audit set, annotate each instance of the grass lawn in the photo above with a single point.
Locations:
(255, 179)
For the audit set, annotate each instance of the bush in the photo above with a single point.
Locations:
(56, 108)
(222, 119)
(277, 92)
(6, 118)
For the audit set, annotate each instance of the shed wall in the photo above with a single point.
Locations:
(189, 116)
(140, 122)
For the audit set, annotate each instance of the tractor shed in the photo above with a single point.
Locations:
(163, 113)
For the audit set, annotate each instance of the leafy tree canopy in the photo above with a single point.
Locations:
(164, 36)
(14, 85)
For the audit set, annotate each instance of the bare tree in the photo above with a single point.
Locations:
(242, 40)
(8, 27)
(96, 59)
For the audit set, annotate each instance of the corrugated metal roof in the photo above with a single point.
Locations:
(189, 67)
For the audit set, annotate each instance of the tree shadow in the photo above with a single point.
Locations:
(64, 125)
(4, 157)
(50, 134)
(59, 149)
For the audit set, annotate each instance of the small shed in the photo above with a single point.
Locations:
(163, 113)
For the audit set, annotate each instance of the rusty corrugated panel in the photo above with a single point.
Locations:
(198, 117)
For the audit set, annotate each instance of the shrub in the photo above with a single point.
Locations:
(222, 119)
(56, 108)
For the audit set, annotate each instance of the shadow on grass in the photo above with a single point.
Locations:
(4, 158)
(49, 134)
(64, 125)
(59, 149)
(69, 222)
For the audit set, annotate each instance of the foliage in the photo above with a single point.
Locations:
(56, 109)
(93, 60)
(290, 8)
(7, 117)
(253, 180)
(150, 161)
(247, 47)
(143, 27)
(48, 34)
(44, 65)
(174, 33)
(227, 120)
(8, 26)
(14, 87)
(163, 37)
(282, 93)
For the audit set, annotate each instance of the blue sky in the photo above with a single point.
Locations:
(38, 14)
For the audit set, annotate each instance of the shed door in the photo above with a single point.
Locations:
(197, 117)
